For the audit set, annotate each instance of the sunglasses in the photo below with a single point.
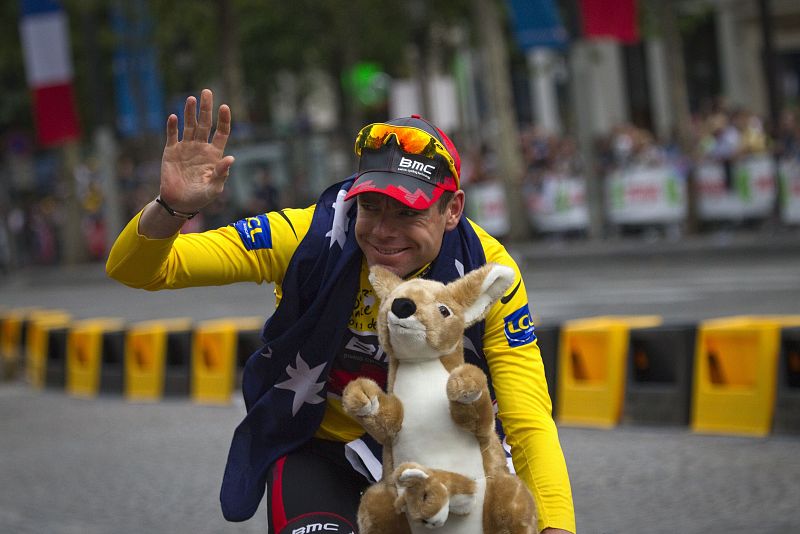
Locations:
(411, 140)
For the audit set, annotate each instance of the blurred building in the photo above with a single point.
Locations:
(725, 57)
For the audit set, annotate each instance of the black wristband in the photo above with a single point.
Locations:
(178, 214)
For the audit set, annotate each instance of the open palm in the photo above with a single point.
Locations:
(194, 169)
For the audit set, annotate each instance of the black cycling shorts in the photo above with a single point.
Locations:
(314, 489)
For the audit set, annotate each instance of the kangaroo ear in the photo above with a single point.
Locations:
(478, 290)
(383, 281)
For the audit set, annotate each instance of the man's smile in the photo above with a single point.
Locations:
(388, 251)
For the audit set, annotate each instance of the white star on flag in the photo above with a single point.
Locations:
(267, 352)
(459, 267)
(470, 346)
(303, 383)
(338, 232)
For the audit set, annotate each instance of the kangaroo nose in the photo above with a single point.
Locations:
(403, 307)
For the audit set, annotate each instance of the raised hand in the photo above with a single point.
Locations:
(194, 169)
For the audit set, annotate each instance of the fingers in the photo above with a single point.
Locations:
(223, 167)
(204, 126)
(223, 127)
(189, 118)
(172, 130)
(194, 130)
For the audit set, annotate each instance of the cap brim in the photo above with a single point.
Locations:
(410, 191)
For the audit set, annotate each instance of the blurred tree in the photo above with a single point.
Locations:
(231, 59)
(237, 45)
(332, 35)
(15, 104)
(187, 36)
(92, 41)
(504, 138)
(329, 34)
(664, 19)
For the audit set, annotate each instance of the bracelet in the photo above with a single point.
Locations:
(178, 214)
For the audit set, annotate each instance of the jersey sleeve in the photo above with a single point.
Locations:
(523, 401)
(255, 249)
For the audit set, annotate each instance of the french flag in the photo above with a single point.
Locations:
(45, 43)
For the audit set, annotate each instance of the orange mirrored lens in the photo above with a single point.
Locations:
(410, 139)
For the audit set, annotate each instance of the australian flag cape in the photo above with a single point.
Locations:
(284, 383)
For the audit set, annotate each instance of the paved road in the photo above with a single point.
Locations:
(76, 466)
(71, 466)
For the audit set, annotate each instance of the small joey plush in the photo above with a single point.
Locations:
(429, 496)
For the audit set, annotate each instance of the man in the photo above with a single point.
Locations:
(403, 210)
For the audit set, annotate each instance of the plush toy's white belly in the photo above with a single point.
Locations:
(430, 437)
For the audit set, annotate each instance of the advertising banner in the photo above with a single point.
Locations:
(747, 192)
(558, 204)
(789, 171)
(486, 205)
(646, 195)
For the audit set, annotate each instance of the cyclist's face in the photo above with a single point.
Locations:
(400, 238)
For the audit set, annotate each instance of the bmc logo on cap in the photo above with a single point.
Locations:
(416, 167)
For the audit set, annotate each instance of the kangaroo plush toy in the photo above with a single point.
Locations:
(436, 420)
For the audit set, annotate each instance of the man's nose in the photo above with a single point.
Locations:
(384, 225)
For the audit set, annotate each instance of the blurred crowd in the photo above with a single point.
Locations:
(32, 228)
(33, 216)
(719, 135)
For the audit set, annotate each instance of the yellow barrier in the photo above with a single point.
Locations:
(547, 339)
(658, 388)
(12, 330)
(85, 354)
(44, 358)
(248, 341)
(591, 370)
(786, 419)
(147, 350)
(735, 374)
(214, 358)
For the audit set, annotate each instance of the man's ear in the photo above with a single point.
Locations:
(478, 290)
(383, 281)
(455, 210)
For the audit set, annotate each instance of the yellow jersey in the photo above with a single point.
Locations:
(225, 256)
